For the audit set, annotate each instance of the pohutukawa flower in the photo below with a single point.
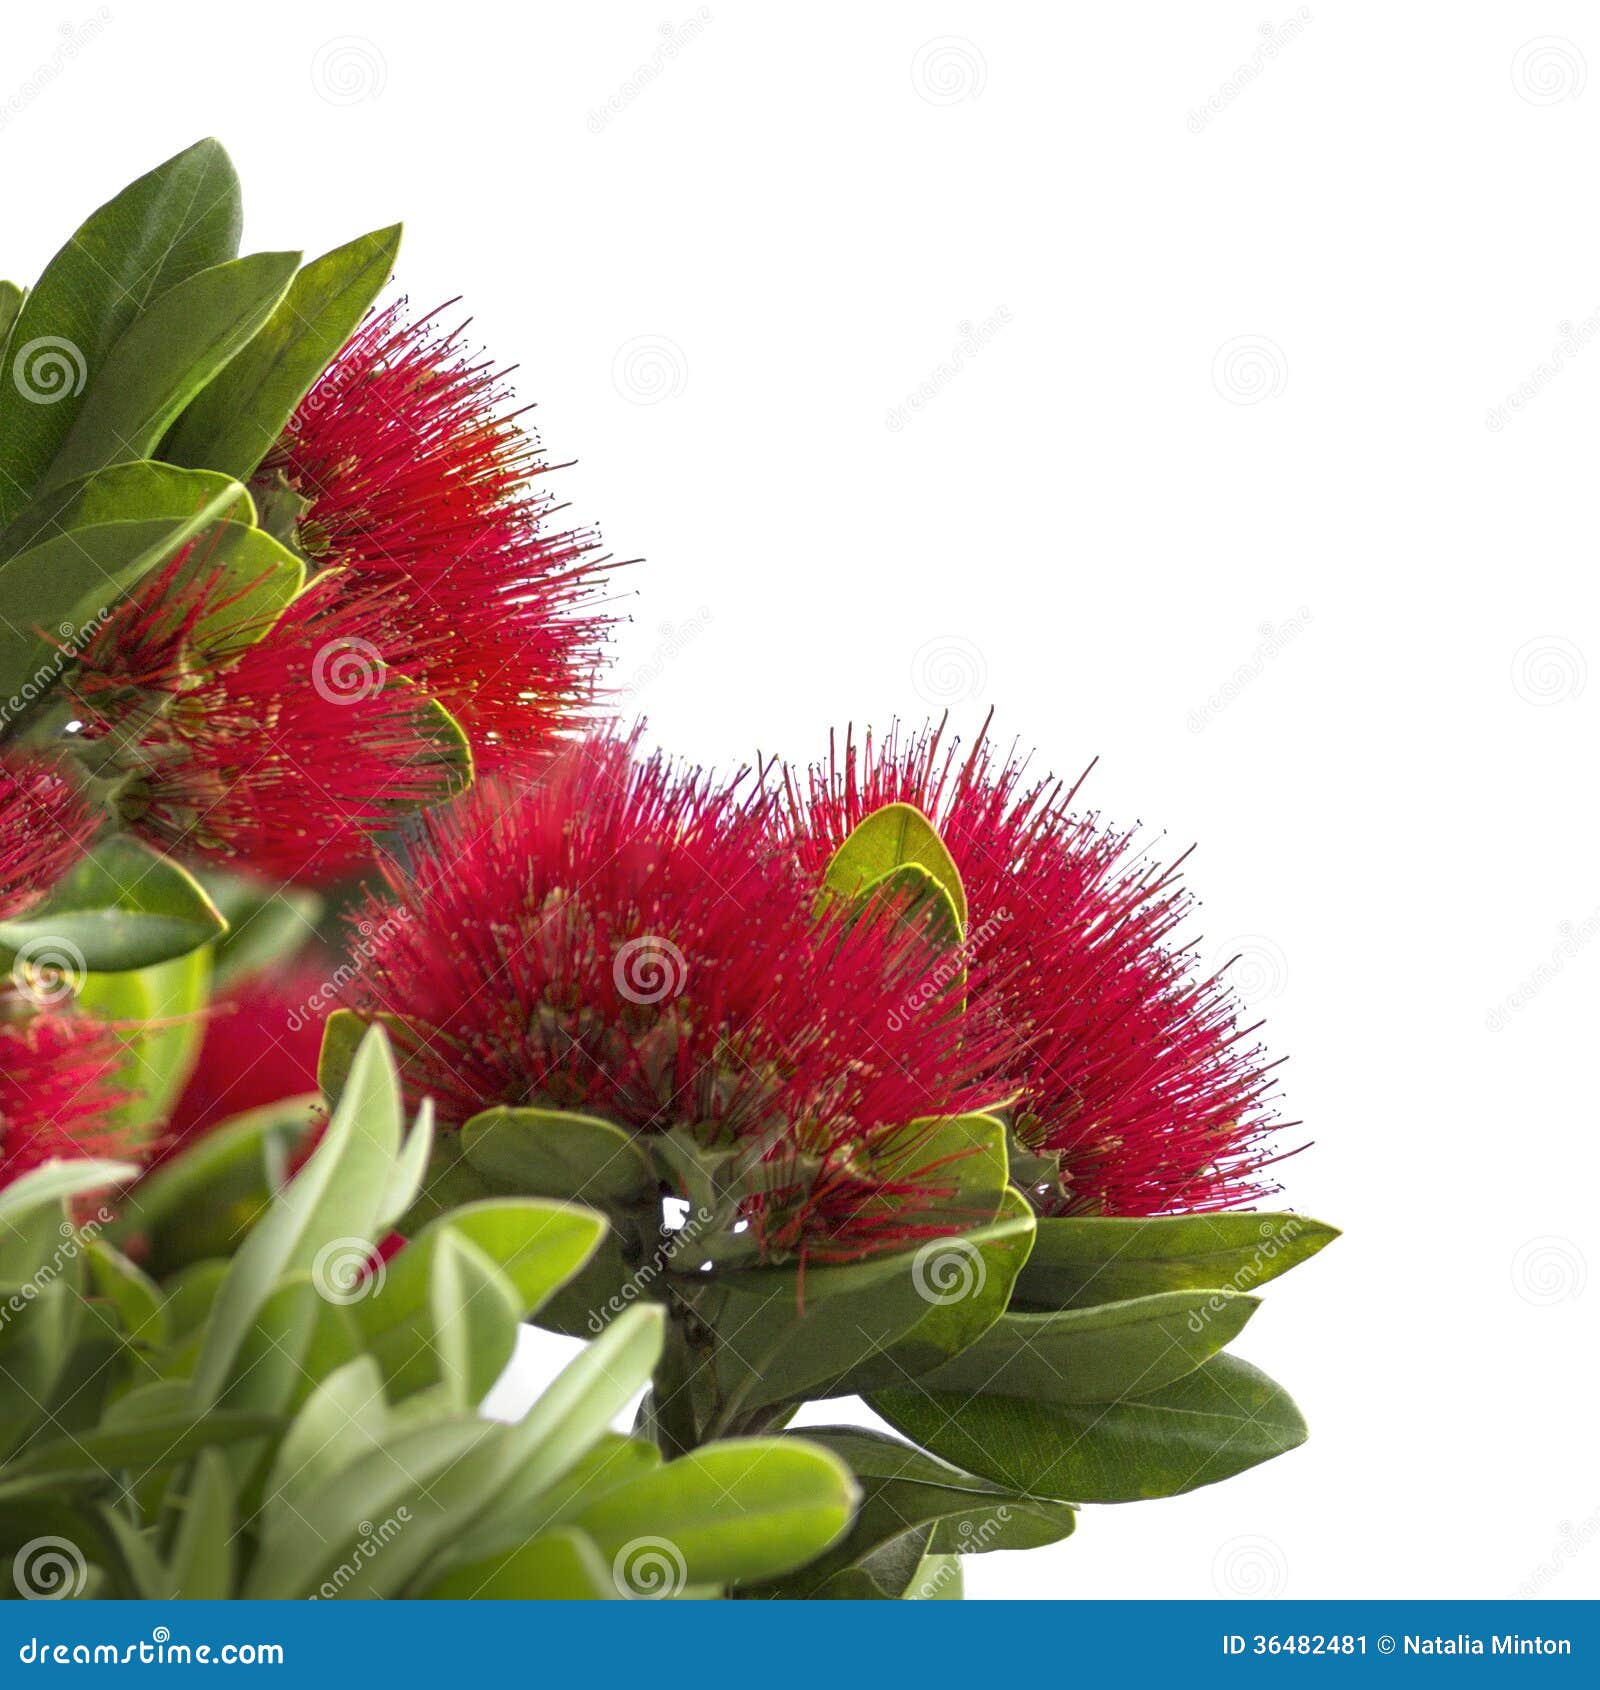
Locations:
(289, 758)
(406, 467)
(1131, 1065)
(58, 1094)
(626, 941)
(44, 826)
(259, 1046)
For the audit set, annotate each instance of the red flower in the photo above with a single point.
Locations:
(57, 1088)
(287, 758)
(416, 480)
(259, 1046)
(44, 827)
(626, 941)
(1131, 1064)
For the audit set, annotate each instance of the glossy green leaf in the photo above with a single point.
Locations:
(231, 425)
(553, 1153)
(180, 218)
(1218, 1420)
(123, 906)
(1098, 1354)
(1101, 1259)
(11, 297)
(892, 836)
(164, 357)
(140, 490)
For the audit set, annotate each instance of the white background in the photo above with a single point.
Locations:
(1258, 324)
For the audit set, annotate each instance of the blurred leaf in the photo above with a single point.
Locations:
(180, 218)
(203, 1553)
(334, 1199)
(266, 925)
(233, 423)
(561, 1566)
(476, 1311)
(123, 906)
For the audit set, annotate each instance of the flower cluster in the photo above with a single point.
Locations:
(1134, 1069)
(631, 941)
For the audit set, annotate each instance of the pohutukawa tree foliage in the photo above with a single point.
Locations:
(891, 1079)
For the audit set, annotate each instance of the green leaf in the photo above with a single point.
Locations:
(165, 356)
(202, 1203)
(1098, 1354)
(552, 1153)
(55, 1183)
(122, 906)
(56, 591)
(905, 1490)
(1214, 1422)
(476, 1311)
(11, 297)
(343, 1419)
(777, 1342)
(232, 424)
(180, 218)
(966, 1283)
(561, 1566)
(144, 1445)
(938, 1579)
(742, 1509)
(892, 836)
(137, 1299)
(1077, 1262)
(140, 490)
(203, 1553)
(266, 925)
(334, 1199)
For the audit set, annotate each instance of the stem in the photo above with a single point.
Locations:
(672, 1392)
